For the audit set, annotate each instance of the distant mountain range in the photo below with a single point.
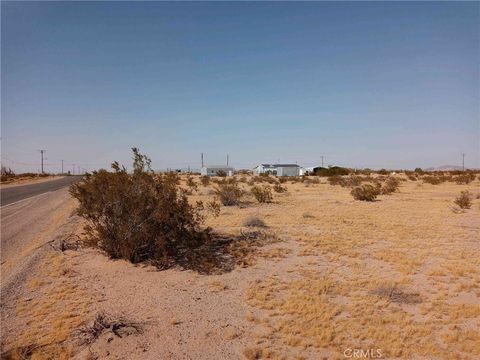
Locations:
(445, 168)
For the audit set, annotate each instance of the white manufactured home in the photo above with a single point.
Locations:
(278, 169)
(215, 170)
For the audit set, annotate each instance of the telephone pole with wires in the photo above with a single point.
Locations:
(463, 162)
(41, 156)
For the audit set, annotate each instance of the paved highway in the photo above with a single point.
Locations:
(14, 194)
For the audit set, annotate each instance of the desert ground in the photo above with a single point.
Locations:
(327, 277)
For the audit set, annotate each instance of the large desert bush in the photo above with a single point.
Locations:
(365, 192)
(140, 215)
(464, 200)
(228, 192)
(263, 194)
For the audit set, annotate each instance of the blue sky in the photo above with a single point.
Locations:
(392, 85)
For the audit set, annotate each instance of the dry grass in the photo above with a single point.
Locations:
(397, 274)
(59, 307)
(117, 325)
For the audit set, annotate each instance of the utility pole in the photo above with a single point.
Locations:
(202, 159)
(73, 167)
(41, 155)
(463, 162)
(227, 159)
(78, 168)
(62, 167)
(322, 160)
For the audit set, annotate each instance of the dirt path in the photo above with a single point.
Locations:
(28, 228)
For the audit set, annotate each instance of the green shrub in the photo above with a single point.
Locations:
(263, 194)
(365, 192)
(464, 200)
(221, 173)
(139, 216)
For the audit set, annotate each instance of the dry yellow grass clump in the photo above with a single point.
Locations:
(58, 306)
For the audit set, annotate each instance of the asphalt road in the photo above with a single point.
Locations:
(13, 194)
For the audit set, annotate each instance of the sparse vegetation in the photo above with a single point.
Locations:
(229, 193)
(433, 180)
(394, 293)
(464, 179)
(191, 183)
(263, 194)
(254, 221)
(279, 188)
(464, 200)
(365, 192)
(390, 186)
(118, 326)
(205, 180)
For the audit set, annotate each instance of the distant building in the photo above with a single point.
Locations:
(215, 170)
(278, 169)
(313, 169)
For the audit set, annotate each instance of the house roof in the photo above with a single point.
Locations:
(279, 165)
(218, 167)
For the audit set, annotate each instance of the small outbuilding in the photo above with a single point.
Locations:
(217, 170)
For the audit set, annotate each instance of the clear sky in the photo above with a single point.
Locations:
(392, 85)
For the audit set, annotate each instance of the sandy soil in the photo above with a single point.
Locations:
(399, 276)
(28, 180)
